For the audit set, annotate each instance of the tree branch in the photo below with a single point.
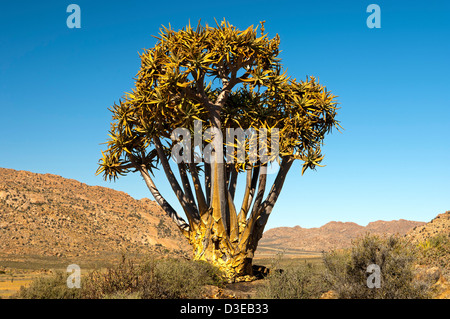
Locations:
(233, 181)
(190, 211)
(166, 207)
(255, 225)
(242, 213)
(272, 197)
(207, 168)
(261, 189)
(252, 187)
(186, 185)
(199, 94)
(202, 205)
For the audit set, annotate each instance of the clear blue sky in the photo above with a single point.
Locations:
(391, 162)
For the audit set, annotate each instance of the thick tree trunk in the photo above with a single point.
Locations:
(233, 251)
(228, 244)
(220, 251)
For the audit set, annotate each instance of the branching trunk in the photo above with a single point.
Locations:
(232, 251)
(217, 232)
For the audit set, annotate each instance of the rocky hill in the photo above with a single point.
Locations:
(439, 225)
(44, 216)
(433, 241)
(333, 235)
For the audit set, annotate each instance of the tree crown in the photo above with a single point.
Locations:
(226, 78)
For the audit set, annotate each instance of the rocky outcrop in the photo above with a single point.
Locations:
(439, 225)
(44, 215)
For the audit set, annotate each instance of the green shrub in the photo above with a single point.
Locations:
(346, 271)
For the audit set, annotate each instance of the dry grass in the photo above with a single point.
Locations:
(10, 284)
(304, 275)
(156, 278)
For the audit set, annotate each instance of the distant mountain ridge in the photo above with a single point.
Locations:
(333, 235)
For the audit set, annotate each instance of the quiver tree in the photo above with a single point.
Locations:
(206, 82)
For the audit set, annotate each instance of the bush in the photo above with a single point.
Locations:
(346, 271)
(49, 287)
(301, 281)
(122, 279)
(435, 252)
(155, 279)
(168, 278)
(175, 279)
